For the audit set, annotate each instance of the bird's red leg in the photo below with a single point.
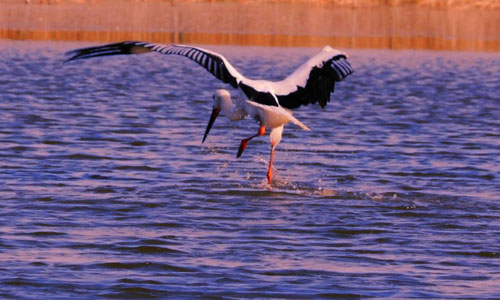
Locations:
(244, 142)
(270, 170)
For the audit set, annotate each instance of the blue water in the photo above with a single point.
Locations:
(107, 192)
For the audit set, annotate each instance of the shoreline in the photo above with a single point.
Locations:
(393, 43)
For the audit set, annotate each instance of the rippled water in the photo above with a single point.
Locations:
(107, 192)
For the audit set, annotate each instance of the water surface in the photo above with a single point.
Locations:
(107, 192)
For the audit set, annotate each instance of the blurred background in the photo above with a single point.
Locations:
(470, 25)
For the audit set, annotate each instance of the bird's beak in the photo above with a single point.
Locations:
(213, 116)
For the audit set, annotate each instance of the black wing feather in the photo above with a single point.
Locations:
(210, 61)
(320, 84)
(252, 94)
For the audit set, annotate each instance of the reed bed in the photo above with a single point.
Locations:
(388, 24)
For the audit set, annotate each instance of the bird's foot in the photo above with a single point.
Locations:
(244, 142)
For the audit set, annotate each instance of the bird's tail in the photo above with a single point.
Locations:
(281, 111)
(298, 123)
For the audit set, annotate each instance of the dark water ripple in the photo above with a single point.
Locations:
(107, 192)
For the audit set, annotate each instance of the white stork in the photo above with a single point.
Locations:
(269, 102)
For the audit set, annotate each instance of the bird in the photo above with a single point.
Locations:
(270, 103)
(274, 117)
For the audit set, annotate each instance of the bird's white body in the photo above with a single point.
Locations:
(269, 116)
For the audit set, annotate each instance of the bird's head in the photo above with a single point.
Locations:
(222, 100)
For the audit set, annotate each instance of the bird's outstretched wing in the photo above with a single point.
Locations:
(213, 62)
(315, 80)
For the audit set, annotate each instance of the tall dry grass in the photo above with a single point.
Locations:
(463, 4)
(393, 24)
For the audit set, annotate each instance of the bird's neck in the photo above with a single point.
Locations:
(233, 111)
(227, 107)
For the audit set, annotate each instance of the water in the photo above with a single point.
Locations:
(107, 192)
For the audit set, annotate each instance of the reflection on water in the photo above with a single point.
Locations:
(107, 192)
(256, 23)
